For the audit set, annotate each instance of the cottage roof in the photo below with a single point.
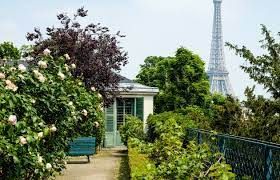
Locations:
(128, 86)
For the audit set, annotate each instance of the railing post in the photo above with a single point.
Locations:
(221, 144)
(268, 164)
(199, 139)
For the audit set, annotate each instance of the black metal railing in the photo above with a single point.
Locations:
(247, 157)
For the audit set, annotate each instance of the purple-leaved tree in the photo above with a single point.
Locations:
(93, 49)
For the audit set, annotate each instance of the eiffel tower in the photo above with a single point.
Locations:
(217, 72)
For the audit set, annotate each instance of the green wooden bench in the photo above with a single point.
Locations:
(82, 146)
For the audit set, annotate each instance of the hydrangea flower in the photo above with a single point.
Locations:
(40, 134)
(48, 166)
(42, 64)
(73, 66)
(12, 119)
(40, 159)
(36, 72)
(66, 67)
(84, 112)
(21, 67)
(67, 57)
(53, 128)
(42, 78)
(2, 76)
(46, 52)
(39, 76)
(61, 75)
(93, 88)
(22, 140)
(96, 124)
(10, 85)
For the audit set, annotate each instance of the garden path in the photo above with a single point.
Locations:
(103, 166)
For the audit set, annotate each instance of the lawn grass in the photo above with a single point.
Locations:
(124, 170)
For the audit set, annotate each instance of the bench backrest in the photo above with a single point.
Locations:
(82, 146)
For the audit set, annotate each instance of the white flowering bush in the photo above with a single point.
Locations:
(42, 108)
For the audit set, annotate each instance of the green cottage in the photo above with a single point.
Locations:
(134, 99)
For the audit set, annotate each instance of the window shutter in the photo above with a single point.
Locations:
(109, 117)
(140, 107)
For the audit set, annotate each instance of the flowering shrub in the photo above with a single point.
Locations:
(42, 108)
(95, 53)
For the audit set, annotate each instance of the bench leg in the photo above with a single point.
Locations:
(88, 159)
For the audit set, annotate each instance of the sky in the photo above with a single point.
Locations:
(155, 27)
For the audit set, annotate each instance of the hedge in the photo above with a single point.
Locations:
(141, 167)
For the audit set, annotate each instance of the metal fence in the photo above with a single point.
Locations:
(247, 157)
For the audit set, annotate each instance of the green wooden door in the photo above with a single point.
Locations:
(128, 106)
(110, 130)
(125, 106)
(115, 118)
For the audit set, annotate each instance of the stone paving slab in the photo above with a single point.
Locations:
(103, 166)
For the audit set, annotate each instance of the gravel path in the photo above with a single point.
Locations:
(103, 166)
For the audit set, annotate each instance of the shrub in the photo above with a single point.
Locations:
(43, 108)
(194, 162)
(93, 48)
(196, 114)
(9, 51)
(133, 128)
(173, 157)
(141, 167)
(160, 123)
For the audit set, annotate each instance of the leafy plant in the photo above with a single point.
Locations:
(141, 167)
(167, 122)
(133, 128)
(9, 51)
(93, 49)
(181, 80)
(262, 118)
(170, 158)
(43, 108)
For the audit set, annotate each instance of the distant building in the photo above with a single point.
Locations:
(217, 72)
(134, 99)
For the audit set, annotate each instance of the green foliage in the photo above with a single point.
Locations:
(225, 114)
(172, 159)
(168, 156)
(133, 128)
(167, 122)
(141, 167)
(199, 115)
(262, 118)
(196, 161)
(9, 51)
(93, 48)
(181, 80)
(264, 69)
(42, 109)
